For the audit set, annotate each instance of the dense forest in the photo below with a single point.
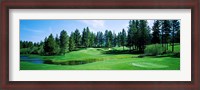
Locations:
(136, 38)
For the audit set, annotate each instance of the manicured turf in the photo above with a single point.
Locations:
(105, 61)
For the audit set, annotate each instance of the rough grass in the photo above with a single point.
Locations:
(106, 61)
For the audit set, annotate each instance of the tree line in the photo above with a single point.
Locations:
(138, 35)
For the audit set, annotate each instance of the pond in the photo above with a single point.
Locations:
(40, 61)
(32, 60)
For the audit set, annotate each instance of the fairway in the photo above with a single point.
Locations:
(98, 59)
(121, 45)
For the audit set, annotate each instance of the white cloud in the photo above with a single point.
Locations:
(94, 24)
(33, 30)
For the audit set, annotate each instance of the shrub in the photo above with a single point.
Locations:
(34, 50)
(40, 50)
(177, 55)
(25, 51)
(153, 50)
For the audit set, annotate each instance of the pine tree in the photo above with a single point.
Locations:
(166, 27)
(130, 39)
(123, 38)
(177, 36)
(77, 38)
(64, 42)
(110, 38)
(149, 35)
(114, 39)
(143, 35)
(119, 41)
(136, 34)
(85, 37)
(162, 32)
(92, 39)
(106, 38)
(50, 46)
(100, 39)
(57, 40)
(175, 28)
(72, 42)
(156, 32)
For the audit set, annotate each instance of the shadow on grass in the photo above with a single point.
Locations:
(122, 52)
(72, 62)
(67, 62)
(173, 55)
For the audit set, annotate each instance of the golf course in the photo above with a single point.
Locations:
(98, 59)
(140, 45)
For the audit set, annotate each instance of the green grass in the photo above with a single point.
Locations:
(106, 61)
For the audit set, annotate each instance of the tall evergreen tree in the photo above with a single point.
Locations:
(166, 27)
(96, 40)
(175, 28)
(64, 42)
(77, 38)
(106, 38)
(149, 35)
(119, 39)
(162, 32)
(92, 39)
(100, 39)
(156, 32)
(72, 45)
(177, 36)
(57, 40)
(143, 35)
(123, 38)
(86, 37)
(114, 39)
(136, 34)
(130, 36)
(110, 38)
(50, 46)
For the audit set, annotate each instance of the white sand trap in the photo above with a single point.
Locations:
(149, 65)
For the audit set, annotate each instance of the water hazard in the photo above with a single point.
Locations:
(40, 61)
(32, 60)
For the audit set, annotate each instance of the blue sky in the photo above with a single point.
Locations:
(37, 30)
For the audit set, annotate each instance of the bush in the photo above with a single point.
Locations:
(34, 50)
(153, 50)
(25, 51)
(40, 50)
(177, 55)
